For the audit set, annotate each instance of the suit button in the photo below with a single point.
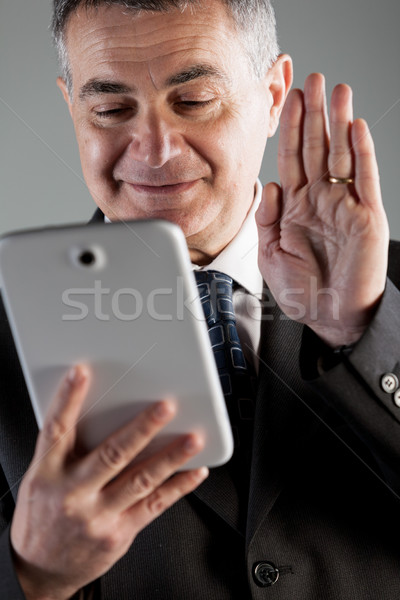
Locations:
(389, 383)
(265, 574)
(396, 398)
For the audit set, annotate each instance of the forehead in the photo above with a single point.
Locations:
(111, 38)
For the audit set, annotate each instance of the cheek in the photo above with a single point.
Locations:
(99, 152)
(250, 142)
(220, 144)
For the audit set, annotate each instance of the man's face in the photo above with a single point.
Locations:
(170, 121)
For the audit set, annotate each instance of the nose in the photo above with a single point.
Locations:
(155, 140)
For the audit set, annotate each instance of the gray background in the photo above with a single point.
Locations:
(353, 41)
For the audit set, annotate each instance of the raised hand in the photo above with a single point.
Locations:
(75, 517)
(323, 246)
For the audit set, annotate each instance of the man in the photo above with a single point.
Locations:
(172, 104)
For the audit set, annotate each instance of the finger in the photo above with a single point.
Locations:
(366, 167)
(340, 160)
(114, 454)
(58, 433)
(290, 156)
(316, 139)
(141, 480)
(165, 496)
(268, 219)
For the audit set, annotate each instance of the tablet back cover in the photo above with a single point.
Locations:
(121, 298)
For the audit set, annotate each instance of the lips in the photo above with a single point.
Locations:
(171, 188)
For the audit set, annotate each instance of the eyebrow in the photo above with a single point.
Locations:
(195, 72)
(96, 87)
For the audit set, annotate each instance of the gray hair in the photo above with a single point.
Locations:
(254, 20)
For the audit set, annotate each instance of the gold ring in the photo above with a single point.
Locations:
(343, 180)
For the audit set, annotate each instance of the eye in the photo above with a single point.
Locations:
(193, 104)
(195, 108)
(108, 114)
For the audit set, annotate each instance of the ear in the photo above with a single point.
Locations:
(279, 80)
(64, 90)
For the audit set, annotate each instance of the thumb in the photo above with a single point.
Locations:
(268, 216)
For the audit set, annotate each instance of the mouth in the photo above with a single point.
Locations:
(172, 188)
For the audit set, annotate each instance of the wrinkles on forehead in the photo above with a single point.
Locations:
(147, 37)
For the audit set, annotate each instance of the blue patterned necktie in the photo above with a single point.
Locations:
(238, 384)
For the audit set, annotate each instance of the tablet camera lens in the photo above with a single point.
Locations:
(87, 258)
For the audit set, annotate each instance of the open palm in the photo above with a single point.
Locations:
(323, 246)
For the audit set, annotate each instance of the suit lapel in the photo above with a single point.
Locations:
(219, 493)
(283, 422)
(98, 217)
(18, 422)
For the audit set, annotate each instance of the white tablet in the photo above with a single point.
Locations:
(121, 298)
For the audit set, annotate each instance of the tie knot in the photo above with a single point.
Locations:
(215, 292)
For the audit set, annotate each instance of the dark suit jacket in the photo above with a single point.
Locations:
(323, 508)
